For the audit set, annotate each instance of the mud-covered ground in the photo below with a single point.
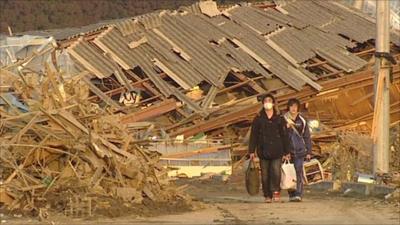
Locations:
(221, 203)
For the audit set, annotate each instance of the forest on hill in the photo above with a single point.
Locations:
(27, 15)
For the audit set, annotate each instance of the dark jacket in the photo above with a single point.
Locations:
(300, 141)
(269, 136)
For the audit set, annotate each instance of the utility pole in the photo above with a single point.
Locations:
(382, 85)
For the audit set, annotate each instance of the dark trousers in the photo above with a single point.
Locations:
(298, 165)
(270, 176)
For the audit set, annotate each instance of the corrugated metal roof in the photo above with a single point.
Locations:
(203, 26)
(277, 64)
(181, 67)
(358, 30)
(249, 16)
(301, 45)
(230, 28)
(150, 20)
(282, 18)
(129, 26)
(241, 59)
(236, 57)
(204, 58)
(143, 55)
(256, 43)
(341, 58)
(308, 12)
(92, 59)
(194, 8)
(315, 37)
(191, 47)
(113, 43)
(290, 42)
(73, 32)
(349, 24)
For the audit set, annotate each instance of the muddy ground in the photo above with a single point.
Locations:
(220, 203)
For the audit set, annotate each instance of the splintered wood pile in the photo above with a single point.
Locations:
(64, 156)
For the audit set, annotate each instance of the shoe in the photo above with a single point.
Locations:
(297, 199)
(276, 197)
(268, 200)
(292, 199)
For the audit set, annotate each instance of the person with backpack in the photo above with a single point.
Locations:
(270, 139)
(300, 145)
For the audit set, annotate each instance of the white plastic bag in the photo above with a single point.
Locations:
(288, 177)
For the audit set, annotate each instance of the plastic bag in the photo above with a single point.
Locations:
(252, 178)
(288, 177)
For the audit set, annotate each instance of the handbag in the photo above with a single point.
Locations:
(252, 178)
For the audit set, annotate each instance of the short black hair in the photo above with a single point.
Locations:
(293, 101)
(263, 97)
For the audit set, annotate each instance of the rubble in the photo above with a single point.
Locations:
(66, 154)
(83, 115)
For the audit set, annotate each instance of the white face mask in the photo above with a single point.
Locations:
(268, 105)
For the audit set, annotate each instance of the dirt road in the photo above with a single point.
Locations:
(224, 204)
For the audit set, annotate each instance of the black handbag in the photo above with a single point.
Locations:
(252, 179)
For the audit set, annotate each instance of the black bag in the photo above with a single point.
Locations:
(252, 179)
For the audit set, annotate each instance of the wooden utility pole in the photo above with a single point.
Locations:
(382, 85)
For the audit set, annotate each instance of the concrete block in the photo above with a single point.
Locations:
(322, 186)
(351, 188)
(382, 190)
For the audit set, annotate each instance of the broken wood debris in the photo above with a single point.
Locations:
(64, 133)
(66, 152)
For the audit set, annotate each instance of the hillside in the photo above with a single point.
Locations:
(26, 15)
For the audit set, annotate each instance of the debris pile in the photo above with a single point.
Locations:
(80, 108)
(349, 155)
(65, 153)
(395, 149)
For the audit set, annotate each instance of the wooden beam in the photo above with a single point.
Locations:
(199, 151)
(150, 112)
(251, 82)
(208, 100)
(100, 94)
(50, 75)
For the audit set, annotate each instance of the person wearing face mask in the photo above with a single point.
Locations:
(269, 139)
(300, 145)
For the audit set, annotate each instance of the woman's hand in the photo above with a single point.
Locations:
(252, 156)
(286, 157)
(308, 157)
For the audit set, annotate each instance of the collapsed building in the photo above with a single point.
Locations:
(92, 105)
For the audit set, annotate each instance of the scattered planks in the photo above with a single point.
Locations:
(66, 153)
